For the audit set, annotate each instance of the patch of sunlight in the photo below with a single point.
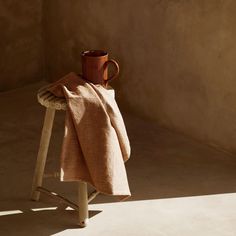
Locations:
(69, 209)
(5, 213)
(44, 209)
(50, 208)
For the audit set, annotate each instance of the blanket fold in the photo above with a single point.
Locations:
(95, 144)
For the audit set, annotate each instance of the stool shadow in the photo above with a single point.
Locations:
(41, 222)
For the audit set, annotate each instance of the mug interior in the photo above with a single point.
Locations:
(94, 53)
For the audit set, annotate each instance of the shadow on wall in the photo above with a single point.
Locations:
(176, 58)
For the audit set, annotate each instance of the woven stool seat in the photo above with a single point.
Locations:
(49, 100)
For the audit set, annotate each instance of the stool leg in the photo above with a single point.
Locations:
(83, 204)
(42, 153)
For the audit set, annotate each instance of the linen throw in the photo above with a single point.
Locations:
(95, 144)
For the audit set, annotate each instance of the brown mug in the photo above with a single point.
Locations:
(95, 66)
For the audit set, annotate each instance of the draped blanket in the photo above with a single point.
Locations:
(95, 144)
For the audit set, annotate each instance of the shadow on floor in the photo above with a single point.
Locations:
(163, 165)
(166, 165)
(44, 221)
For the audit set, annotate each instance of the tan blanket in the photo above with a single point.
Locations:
(95, 144)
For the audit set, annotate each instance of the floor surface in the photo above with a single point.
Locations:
(179, 187)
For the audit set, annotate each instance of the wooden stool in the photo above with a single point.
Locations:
(52, 103)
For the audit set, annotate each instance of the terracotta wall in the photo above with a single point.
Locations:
(21, 58)
(177, 58)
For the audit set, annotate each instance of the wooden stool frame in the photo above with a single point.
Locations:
(52, 104)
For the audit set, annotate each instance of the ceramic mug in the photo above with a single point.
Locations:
(95, 66)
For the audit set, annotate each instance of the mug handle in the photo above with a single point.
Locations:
(117, 70)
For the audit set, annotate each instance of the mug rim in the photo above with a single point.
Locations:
(87, 52)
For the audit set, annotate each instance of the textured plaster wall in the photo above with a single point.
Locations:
(177, 58)
(21, 56)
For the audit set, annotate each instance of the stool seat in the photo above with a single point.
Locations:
(49, 100)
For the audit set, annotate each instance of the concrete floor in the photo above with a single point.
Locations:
(179, 187)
